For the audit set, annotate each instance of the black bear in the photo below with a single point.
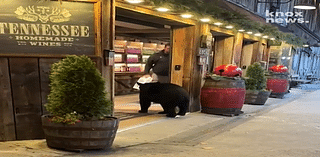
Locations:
(168, 95)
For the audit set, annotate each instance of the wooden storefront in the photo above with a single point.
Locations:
(39, 33)
(35, 34)
(26, 57)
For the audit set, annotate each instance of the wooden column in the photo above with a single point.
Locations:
(191, 71)
(266, 55)
(238, 42)
(246, 57)
(107, 41)
(7, 125)
(258, 48)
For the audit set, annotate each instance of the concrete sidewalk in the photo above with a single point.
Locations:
(191, 130)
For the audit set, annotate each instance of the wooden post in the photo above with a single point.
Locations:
(238, 41)
(192, 71)
(266, 56)
(257, 53)
(107, 42)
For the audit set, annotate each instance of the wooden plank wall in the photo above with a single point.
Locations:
(7, 125)
(219, 50)
(223, 51)
(27, 97)
(179, 46)
(228, 50)
(45, 67)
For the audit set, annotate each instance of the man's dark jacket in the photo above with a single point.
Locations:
(159, 62)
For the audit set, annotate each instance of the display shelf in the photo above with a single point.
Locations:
(145, 58)
(119, 58)
(120, 67)
(131, 57)
(120, 46)
(133, 67)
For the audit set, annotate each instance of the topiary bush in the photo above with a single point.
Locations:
(257, 79)
(77, 91)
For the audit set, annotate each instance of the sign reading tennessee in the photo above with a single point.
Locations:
(46, 27)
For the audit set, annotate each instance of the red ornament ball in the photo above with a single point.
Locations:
(279, 69)
(228, 70)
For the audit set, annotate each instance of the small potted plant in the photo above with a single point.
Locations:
(256, 92)
(80, 114)
(223, 92)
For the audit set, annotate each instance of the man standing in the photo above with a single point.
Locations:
(159, 63)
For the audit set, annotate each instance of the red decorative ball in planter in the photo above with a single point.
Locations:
(223, 95)
(228, 70)
(278, 81)
(279, 69)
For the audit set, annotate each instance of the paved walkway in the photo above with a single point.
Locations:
(281, 127)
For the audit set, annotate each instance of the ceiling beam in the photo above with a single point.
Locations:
(144, 31)
(173, 19)
(136, 21)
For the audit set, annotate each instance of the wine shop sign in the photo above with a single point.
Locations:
(46, 27)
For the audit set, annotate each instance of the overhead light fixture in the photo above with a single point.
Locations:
(218, 23)
(134, 1)
(249, 32)
(283, 58)
(272, 38)
(163, 9)
(288, 58)
(205, 20)
(265, 37)
(257, 34)
(241, 30)
(305, 45)
(229, 27)
(186, 16)
(305, 6)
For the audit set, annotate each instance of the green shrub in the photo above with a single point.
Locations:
(257, 79)
(77, 91)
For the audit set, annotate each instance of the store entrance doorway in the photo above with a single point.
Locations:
(137, 37)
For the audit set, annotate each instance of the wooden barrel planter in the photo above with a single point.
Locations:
(279, 84)
(256, 97)
(223, 97)
(85, 135)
